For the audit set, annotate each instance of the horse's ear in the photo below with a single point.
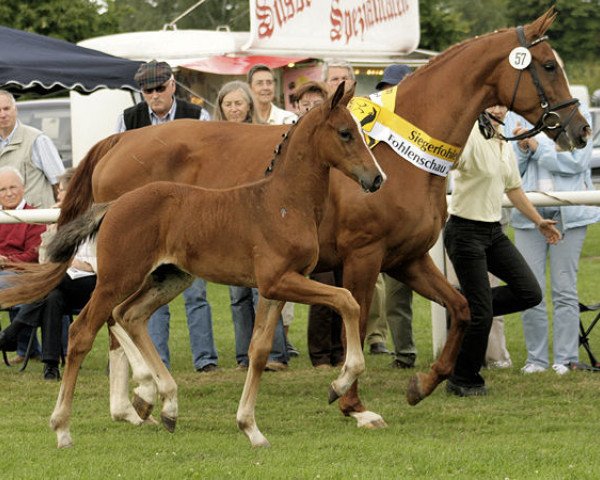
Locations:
(338, 94)
(543, 23)
(341, 95)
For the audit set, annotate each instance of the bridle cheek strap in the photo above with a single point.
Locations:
(549, 120)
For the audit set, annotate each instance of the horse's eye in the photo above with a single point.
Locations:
(549, 66)
(345, 135)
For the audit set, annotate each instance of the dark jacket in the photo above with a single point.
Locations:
(138, 116)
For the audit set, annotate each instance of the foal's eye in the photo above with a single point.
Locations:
(550, 66)
(345, 135)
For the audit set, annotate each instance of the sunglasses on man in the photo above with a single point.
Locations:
(159, 89)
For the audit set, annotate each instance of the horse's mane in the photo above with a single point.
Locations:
(456, 49)
(280, 145)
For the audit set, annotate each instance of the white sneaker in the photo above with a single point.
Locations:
(560, 369)
(532, 368)
(500, 364)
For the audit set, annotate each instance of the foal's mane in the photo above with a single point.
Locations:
(279, 147)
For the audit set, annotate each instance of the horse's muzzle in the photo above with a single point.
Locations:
(374, 185)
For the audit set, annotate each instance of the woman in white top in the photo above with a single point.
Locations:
(476, 245)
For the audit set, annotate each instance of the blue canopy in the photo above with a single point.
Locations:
(32, 63)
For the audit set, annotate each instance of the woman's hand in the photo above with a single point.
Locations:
(548, 230)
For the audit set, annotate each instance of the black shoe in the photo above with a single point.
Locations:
(464, 391)
(378, 349)
(51, 372)
(211, 367)
(397, 363)
(7, 342)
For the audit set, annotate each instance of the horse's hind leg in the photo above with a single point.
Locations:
(159, 288)
(120, 357)
(424, 278)
(267, 316)
(82, 333)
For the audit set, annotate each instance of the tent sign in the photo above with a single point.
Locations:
(340, 26)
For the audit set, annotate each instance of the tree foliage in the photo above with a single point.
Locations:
(139, 15)
(575, 32)
(441, 26)
(71, 20)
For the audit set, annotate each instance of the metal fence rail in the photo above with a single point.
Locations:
(438, 313)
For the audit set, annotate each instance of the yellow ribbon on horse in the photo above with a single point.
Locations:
(380, 123)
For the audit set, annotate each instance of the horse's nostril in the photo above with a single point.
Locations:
(376, 183)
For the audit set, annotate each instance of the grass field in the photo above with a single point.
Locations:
(528, 427)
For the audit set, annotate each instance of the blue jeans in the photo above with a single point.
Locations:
(23, 338)
(476, 248)
(564, 263)
(243, 313)
(199, 320)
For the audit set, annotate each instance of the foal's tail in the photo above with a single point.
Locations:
(33, 281)
(79, 195)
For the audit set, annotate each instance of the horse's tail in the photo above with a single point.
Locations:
(79, 195)
(33, 281)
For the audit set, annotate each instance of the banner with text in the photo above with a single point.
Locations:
(339, 26)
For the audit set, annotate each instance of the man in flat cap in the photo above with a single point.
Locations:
(157, 84)
(160, 106)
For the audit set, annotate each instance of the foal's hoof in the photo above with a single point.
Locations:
(414, 394)
(168, 422)
(368, 420)
(333, 395)
(142, 407)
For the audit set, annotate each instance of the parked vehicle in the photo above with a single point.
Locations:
(53, 117)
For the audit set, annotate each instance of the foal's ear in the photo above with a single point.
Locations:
(543, 23)
(341, 95)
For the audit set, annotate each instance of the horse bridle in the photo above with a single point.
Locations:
(549, 120)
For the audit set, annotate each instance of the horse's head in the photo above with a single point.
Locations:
(342, 144)
(534, 85)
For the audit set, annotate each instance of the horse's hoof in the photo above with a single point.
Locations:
(368, 420)
(64, 440)
(150, 421)
(260, 443)
(414, 393)
(333, 395)
(142, 407)
(169, 423)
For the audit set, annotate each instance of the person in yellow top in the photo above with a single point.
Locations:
(476, 245)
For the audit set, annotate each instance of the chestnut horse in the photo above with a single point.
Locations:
(390, 231)
(260, 235)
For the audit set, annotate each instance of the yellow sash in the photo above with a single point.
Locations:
(380, 123)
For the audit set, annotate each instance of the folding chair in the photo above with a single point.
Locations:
(28, 352)
(4, 357)
(584, 333)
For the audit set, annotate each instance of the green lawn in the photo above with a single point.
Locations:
(529, 427)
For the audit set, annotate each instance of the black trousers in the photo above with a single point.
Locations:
(69, 295)
(476, 248)
(325, 328)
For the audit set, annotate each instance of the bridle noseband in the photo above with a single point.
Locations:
(549, 120)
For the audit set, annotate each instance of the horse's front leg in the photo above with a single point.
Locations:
(296, 288)
(360, 275)
(81, 338)
(267, 316)
(425, 278)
